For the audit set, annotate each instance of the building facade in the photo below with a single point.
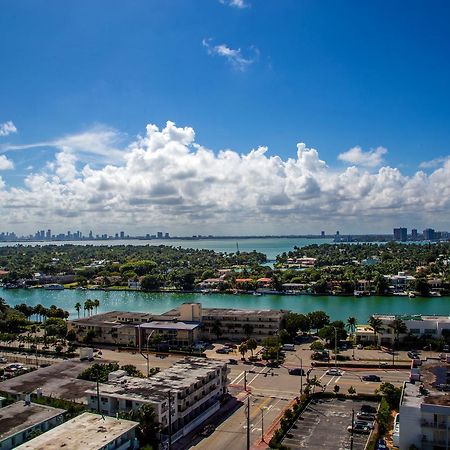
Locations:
(190, 391)
(88, 432)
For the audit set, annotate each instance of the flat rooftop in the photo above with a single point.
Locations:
(154, 389)
(84, 432)
(419, 317)
(171, 325)
(242, 312)
(19, 417)
(58, 380)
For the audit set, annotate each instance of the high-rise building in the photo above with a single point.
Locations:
(122, 234)
(414, 235)
(159, 234)
(322, 233)
(428, 234)
(401, 234)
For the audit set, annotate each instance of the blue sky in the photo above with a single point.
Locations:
(241, 73)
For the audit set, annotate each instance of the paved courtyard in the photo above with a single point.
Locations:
(323, 425)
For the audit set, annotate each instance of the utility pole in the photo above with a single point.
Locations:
(301, 376)
(335, 347)
(262, 424)
(248, 423)
(245, 380)
(170, 421)
(98, 394)
(353, 424)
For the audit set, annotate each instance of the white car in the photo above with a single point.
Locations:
(334, 372)
(3, 360)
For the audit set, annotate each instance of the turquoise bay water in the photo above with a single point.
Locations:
(336, 307)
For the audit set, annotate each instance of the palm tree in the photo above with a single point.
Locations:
(87, 306)
(399, 327)
(217, 329)
(248, 329)
(351, 327)
(78, 307)
(252, 345)
(243, 349)
(96, 304)
(376, 324)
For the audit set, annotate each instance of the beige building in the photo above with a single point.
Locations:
(182, 326)
(87, 432)
(190, 391)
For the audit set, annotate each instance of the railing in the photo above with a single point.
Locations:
(440, 425)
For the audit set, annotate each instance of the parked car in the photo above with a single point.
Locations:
(358, 429)
(232, 361)
(334, 372)
(443, 387)
(371, 378)
(224, 350)
(209, 429)
(360, 347)
(368, 409)
(230, 345)
(296, 371)
(289, 347)
(365, 416)
(364, 423)
(3, 360)
(413, 355)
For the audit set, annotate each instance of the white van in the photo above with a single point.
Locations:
(288, 347)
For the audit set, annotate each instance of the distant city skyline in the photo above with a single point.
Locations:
(210, 117)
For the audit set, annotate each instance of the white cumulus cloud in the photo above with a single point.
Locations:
(5, 163)
(356, 156)
(240, 4)
(7, 128)
(233, 56)
(165, 178)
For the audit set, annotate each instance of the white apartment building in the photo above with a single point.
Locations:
(417, 325)
(424, 417)
(190, 390)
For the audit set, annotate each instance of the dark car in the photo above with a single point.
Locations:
(371, 378)
(209, 429)
(365, 416)
(359, 429)
(368, 409)
(232, 361)
(296, 371)
(413, 355)
(223, 350)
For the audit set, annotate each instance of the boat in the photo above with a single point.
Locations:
(435, 294)
(411, 295)
(54, 287)
(257, 293)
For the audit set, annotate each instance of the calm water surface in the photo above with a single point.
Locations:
(336, 307)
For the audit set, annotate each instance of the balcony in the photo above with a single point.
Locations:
(434, 425)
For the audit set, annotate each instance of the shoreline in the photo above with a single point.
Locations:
(233, 292)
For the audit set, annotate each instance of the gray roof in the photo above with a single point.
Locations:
(85, 432)
(171, 325)
(19, 417)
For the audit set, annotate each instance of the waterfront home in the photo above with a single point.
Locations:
(401, 282)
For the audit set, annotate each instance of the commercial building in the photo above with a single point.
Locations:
(425, 411)
(401, 234)
(20, 419)
(181, 327)
(190, 391)
(417, 325)
(87, 432)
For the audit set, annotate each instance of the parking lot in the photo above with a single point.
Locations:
(323, 425)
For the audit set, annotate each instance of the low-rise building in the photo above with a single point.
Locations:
(190, 391)
(181, 326)
(19, 420)
(416, 325)
(87, 432)
(400, 283)
(425, 411)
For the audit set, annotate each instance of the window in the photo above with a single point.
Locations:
(430, 331)
(415, 330)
